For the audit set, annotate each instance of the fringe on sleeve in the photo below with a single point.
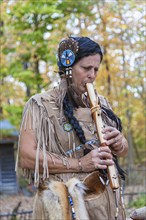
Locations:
(35, 117)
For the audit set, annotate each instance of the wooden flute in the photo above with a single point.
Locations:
(96, 114)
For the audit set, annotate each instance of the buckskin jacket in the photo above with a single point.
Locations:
(43, 126)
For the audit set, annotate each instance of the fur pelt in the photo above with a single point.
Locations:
(51, 201)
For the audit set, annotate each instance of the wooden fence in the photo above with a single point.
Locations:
(23, 215)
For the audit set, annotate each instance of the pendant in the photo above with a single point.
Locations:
(67, 127)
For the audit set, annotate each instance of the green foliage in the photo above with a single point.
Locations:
(14, 114)
(22, 182)
(26, 43)
(139, 202)
(6, 133)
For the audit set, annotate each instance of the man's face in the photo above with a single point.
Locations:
(85, 71)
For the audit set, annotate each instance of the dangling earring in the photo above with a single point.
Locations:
(70, 72)
(66, 53)
(66, 72)
(68, 75)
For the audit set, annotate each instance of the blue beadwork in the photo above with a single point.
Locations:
(72, 208)
(70, 200)
(71, 151)
(67, 58)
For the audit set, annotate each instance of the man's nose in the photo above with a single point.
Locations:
(91, 74)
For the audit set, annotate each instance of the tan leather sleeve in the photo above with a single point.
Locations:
(27, 149)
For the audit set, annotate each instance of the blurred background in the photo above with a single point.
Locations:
(30, 33)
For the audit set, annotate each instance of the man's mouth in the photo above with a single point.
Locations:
(86, 83)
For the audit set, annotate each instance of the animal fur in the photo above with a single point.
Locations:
(51, 201)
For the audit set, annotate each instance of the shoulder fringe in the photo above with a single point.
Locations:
(35, 117)
(61, 95)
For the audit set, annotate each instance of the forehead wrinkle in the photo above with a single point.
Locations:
(94, 64)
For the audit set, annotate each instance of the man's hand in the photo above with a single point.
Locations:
(98, 158)
(113, 138)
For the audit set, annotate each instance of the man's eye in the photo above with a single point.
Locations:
(87, 68)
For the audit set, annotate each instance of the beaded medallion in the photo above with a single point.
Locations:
(67, 51)
(67, 58)
(67, 127)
